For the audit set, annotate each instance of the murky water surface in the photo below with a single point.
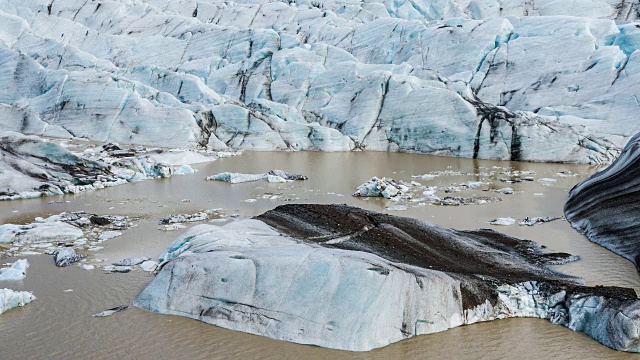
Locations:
(59, 324)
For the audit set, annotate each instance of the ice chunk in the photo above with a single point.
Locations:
(131, 261)
(111, 311)
(148, 265)
(17, 271)
(10, 299)
(108, 235)
(67, 256)
(505, 221)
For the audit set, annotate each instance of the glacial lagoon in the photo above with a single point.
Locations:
(60, 323)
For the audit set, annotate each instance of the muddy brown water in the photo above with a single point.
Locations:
(59, 324)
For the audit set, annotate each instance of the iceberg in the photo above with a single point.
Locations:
(351, 279)
(17, 271)
(10, 299)
(271, 176)
(386, 188)
(67, 256)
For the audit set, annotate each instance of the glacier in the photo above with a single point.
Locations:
(31, 166)
(604, 207)
(496, 79)
(351, 279)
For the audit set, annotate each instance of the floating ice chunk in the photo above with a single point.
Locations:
(236, 178)
(117, 269)
(131, 261)
(424, 177)
(10, 299)
(397, 208)
(287, 175)
(184, 170)
(87, 267)
(530, 221)
(275, 179)
(111, 311)
(385, 187)
(67, 256)
(149, 265)
(180, 218)
(17, 271)
(458, 200)
(548, 180)
(271, 176)
(41, 232)
(505, 221)
(108, 235)
(172, 227)
(506, 191)
(349, 276)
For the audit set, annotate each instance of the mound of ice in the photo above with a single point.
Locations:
(346, 278)
(67, 256)
(385, 187)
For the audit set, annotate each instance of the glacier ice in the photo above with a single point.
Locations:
(131, 261)
(504, 221)
(501, 79)
(603, 206)
(60, 235)
(111, 311)
(351, 279)
(387, 188)
(271, 176)
(47, 232)
(10, 299)
(17, 271)
(31, 166)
